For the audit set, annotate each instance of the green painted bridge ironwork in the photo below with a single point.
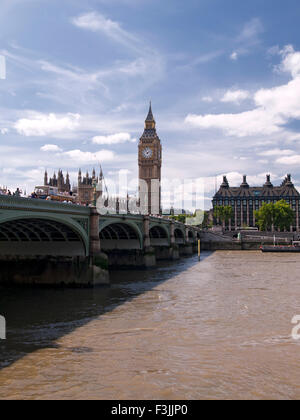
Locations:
(40, 227)
(46, 228)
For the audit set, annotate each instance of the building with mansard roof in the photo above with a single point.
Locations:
(244, 200)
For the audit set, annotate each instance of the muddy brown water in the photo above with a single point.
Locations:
(220, 328)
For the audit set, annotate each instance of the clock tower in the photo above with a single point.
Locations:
(150, 158)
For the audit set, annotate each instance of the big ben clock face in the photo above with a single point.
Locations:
(147, 153)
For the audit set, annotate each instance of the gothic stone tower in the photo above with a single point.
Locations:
(86, 187)
(150, 159)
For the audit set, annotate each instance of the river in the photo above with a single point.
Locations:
(220, 328)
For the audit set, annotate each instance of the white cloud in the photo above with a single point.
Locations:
(247, 123)
(97, 22)
(289, 160)
(291, 61)
(247, 39)
(74, 74)
(148, 64)
(235, 96)
(89, 157)
(251, 31)
(44, 125)
(207, 99)
(276, 152)
(275, 107)
(113, 139)
(51, 148)
(4, 131)
(234, 56)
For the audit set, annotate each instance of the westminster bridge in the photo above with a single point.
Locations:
(44, 242)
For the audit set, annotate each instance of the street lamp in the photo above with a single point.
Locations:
(95, 193)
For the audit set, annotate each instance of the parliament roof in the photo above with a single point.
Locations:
(268, 191)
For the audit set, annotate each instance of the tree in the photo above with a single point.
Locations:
(265, 216)
(278, 215)
(284, 215)
(205, 222)
(223, 213)
(179, 218)
(227, 213)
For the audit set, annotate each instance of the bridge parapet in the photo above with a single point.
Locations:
(19, 203)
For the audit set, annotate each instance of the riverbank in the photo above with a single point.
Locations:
(248, 241)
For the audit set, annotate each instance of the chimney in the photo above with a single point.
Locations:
(245, 184)
(268, 182)
(225, 183)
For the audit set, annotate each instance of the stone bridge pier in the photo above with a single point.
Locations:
(142, 241)
(47, 243)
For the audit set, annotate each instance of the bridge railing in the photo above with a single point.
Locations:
(19, 203)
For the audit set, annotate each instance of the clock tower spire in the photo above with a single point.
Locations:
(150, 159)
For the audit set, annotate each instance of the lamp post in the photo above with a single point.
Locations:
(95, 193)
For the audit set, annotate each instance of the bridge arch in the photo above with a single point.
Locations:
(179, 236)
(32, 235)
(191, 236)
(120, 235)
(159, 236)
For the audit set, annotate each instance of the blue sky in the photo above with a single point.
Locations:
(223, 76)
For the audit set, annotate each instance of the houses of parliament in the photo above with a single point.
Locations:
(84, 189)
(149, 161)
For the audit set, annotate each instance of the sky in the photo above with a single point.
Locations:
(223, 78)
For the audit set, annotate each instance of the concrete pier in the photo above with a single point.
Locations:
(53, 271)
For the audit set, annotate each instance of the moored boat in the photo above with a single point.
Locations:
(294, 247)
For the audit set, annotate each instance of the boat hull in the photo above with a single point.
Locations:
(278, 248)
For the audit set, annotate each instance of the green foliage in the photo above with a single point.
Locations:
(278, 215)
(223, 213)
(179, 218)
(205, 223)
